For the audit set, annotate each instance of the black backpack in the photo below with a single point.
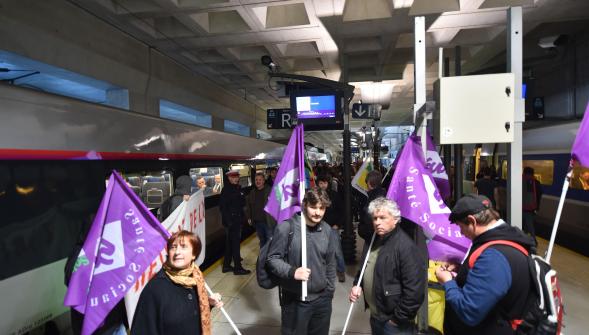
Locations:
(266, 279)
(544, 308)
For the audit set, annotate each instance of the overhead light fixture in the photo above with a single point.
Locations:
(269, 63)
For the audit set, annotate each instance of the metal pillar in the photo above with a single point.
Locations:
(457, 147)
(348, 236)
(514, 150)
(447, 147)
(419, 103)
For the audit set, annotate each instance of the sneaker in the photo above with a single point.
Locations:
(341, 276)
(227, 269)
(240, 272)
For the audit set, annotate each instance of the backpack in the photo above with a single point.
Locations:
(544, 309)
(266, 279)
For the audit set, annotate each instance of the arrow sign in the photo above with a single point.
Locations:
(366, 111)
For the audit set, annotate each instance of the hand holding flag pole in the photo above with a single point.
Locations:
(224, 312)
(359, 282)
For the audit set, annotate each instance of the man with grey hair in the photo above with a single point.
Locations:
(394, 278)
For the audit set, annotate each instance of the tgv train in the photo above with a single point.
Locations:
(55, 156)
(547, 149)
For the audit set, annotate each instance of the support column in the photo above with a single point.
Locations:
(447, 147)
(515, 150)
(458, 176)
(419, 104)
(348, 236)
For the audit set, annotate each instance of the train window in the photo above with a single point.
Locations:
(210, 179)
(153, 188)
(580, 179)
(172, 111)
(543, 170)
(245, 179)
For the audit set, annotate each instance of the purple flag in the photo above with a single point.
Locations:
(284, 200)
(580, 150)
(122, 242)
(436, 166)
(414, 190)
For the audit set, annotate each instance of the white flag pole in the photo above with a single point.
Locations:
(359, 282)
(565, 188)
(224, 312)
(303, 239)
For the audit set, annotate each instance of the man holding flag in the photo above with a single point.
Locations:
(306, 271)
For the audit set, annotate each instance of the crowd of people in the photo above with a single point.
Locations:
(481, 298)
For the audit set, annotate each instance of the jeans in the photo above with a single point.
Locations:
(306, 317)
(263, 231)
(340, 264)
(387, 328)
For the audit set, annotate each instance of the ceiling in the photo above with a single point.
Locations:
(356, 41)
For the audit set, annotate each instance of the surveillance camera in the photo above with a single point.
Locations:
(552, 41)
(267, 61)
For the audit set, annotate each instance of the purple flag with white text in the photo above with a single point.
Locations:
(580, 150)
(414, 190)
(436, 166)
(122, 242)
(284, 200)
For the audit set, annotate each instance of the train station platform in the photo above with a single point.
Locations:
(256, 311)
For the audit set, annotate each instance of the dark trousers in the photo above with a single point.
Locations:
(232, 239)
(263, 231)
(387, 328)
(306, 318)
(340, 264)
(528, 219)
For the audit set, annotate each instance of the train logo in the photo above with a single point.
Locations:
(111, 253)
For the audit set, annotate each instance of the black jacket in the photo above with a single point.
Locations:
(231, 204)
(365, 228)
(283, 259)
(166, 308)
(512, 305)
(399, 278)
(334, 213)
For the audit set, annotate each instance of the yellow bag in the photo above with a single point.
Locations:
(436, 301)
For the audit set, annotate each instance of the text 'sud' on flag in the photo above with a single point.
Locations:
(413, 188)
(123, 240)
(436, 166)
(284, 201)
(580, 151)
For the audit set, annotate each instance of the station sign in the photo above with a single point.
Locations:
(279, 118)
(366, 111)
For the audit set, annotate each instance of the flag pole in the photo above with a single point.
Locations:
(565, 188)
(359, 282)
(302, 177)
(224, 311)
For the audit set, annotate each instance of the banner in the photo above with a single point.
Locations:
(580, 151)
(414, 190)
(122, 242)
(359, 181)
(434, 163)
(189, 215)
(284, 201)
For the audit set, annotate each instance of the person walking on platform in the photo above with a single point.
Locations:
(181, 193)
(311, 316)
(375, 190)
(531, 196)
(175, 301)
(394, 278)
(333, 217)
(256, 216)
(485, 185)
(484, 297)
(231, 205)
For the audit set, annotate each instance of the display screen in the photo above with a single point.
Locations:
(315, 107)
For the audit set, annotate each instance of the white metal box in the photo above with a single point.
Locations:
(474, 109)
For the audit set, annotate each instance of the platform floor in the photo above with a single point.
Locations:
(256, 310)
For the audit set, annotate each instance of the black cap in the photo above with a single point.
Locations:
(468, 205)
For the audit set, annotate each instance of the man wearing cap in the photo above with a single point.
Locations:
(231, 204)
(486, 297)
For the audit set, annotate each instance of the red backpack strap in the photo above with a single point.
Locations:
(479, 250)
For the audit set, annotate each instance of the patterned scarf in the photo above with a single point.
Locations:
(191, 277)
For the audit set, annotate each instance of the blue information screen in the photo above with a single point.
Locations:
(315, 107)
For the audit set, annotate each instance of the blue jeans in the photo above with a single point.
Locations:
(340, 264)
(387, 328)
(263, 231)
